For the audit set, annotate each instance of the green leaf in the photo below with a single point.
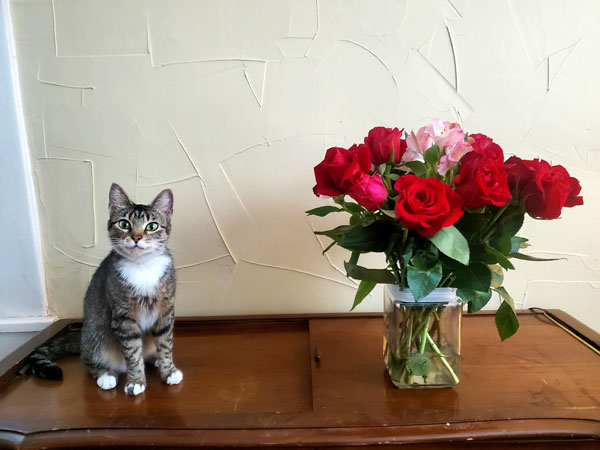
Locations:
(354, 208)
(505, 295)
(422, 282)
(497, 276)
(364, 288)
(452, 243)
(514, 224)
(517, 243)
(383, 276)
(337, 232)
(472, 223)
(419, 365)
(532, 258)
(476, 277)
(367, 220)
(424, 261)
(417, 167)
(502, 243)
(506, 320)
(328, 247)
(475, 299)
(322, 211)
(432, 156)
(499, 258)
(372, 238)
(389, 212)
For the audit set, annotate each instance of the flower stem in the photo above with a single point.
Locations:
(497, 216)
(424, 336)
(442, 358)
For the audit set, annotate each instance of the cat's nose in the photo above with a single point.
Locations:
(137, 238)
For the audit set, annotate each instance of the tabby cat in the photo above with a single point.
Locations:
(128, 310)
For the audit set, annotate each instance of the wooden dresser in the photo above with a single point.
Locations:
(254, 382)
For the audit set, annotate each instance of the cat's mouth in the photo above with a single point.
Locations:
(136, 247)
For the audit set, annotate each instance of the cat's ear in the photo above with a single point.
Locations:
(164, 203)
(117, 199)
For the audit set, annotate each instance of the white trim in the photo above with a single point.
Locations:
(25, 324)
(27, 167)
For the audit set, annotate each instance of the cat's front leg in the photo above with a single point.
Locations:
(129, 335)
(163, 337)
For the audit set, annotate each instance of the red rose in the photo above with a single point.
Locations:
(383, 141)
(481, 178)
(574, 199)
(369, 191)
(340, 169)
(545, 188)
(485, 146)
(426, 204)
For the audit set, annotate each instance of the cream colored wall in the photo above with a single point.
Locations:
(231, 104)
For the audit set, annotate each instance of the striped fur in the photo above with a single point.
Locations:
(129, 306)
(40, 361)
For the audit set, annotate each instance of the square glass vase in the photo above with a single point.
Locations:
(422, 338)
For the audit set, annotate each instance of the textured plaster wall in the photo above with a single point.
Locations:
(230, 103)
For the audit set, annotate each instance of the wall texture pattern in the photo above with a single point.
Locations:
(230, 103)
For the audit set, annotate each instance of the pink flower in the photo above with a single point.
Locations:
(416, 144)
(453, 155)
(448, 136)
(445, 134)
(369, 191)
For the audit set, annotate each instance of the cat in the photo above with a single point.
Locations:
(128, 311)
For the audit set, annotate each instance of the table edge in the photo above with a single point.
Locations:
(487, 431)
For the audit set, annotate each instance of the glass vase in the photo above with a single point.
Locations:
(422, 338)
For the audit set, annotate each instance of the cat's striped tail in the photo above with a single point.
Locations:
(40, 361)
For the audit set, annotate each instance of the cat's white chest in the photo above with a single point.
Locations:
(144, 276)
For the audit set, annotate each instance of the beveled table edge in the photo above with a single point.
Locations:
(487, 431)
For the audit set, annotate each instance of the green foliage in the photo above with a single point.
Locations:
(423, 275)
(452, 243)
(419, 365)
(472, 223)
(475, 299)
(372, 238)
(518, 243)
(476, 276)
(513, 224)
(497, 257)
(375, 275)
(322, 211)
(432, 156)
(505, 295)
(506, 319)
(417, 167)
(497, 276)
(532, 258)
(364, 288)
(336, 233)
(353, 208)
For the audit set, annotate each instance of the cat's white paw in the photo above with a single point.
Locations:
(107, 381)
(175, 377)
(134, 389)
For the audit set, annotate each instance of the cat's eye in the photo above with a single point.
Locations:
(123, 224)
(152, 226)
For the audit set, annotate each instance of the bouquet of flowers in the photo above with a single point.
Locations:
(443, 206)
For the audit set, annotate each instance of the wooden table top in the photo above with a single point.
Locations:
(255, 381)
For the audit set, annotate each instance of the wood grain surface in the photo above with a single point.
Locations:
(255, 382)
